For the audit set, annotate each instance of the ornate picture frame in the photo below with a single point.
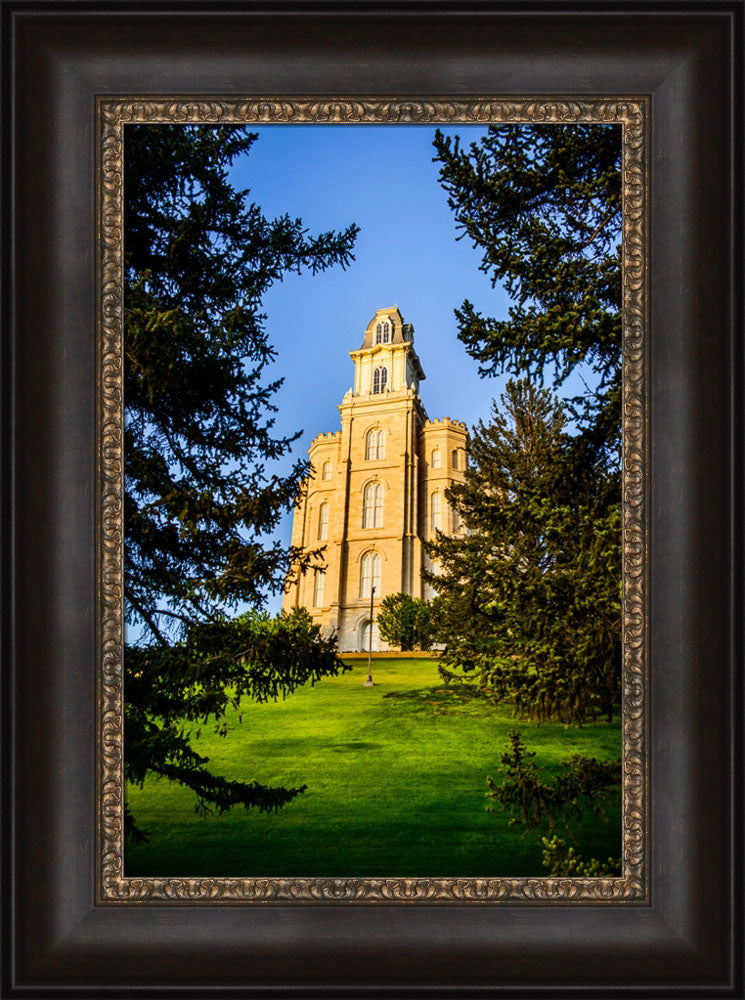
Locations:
(632, 115)
(681, 932)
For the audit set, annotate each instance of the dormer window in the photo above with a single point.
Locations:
(380, 379)
(382, 333)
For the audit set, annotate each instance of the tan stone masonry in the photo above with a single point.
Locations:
(369, 501)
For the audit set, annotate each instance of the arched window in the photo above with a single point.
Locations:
(455, 458)
(327, 470)
(456, 521)
(436, 462)
(323, 522)
(375, 444)
(370, 574)
(365, 636)
(383, 333)
(436, 507)
(318, 582)
(372, 506)
(380, 379)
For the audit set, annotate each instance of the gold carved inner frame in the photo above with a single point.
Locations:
(112, 884)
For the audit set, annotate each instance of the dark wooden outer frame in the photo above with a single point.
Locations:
(58, 59)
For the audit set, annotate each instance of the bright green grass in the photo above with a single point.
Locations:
(396, 786)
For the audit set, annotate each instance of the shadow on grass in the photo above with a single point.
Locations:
(354, 745)
(446, 700)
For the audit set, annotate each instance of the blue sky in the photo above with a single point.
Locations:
(383, 178)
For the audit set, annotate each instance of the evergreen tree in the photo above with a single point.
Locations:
(200, 499)
(582, 786)
(543, 205)
(529, 596)
(538, 577)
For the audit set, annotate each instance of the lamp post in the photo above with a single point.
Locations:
(368, 679)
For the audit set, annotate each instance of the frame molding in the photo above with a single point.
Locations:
(686, 62)
(632, 115)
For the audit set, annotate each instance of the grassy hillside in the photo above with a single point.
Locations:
(396, 779)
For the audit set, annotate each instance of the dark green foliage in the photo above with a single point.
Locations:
(529, 599)
(583, 785)
(543, 204)
(564, 861)
(405, 621)
(175, 689)
(198, 258)
(201, 500)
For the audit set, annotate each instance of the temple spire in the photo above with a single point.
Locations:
(387, 361)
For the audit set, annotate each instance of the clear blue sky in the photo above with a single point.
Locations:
(382, 178)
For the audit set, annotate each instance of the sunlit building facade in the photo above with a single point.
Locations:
(377, 489)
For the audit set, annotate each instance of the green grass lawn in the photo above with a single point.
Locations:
(396, 778)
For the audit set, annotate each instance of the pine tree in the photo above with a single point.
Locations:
(582, 786)
(543, 205)
(528, 597)
(538, 578)
(201, 500)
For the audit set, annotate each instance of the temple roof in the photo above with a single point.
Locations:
(403, 333)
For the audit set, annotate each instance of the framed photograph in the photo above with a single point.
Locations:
(454, 777)
(391, 542)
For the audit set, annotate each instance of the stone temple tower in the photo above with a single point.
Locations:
(377, 489)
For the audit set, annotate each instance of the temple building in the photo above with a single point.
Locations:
(377, 489)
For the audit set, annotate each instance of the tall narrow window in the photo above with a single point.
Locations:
(375, 444)
(327, 470)
(386, 328)
(372, 506)
(365, 637)
(370, 574)
(318, 583)
(323, 522)
(455, 458)
(379, 333)
(456, 521)
(436, 520)
(436, 463)
(380, 379)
